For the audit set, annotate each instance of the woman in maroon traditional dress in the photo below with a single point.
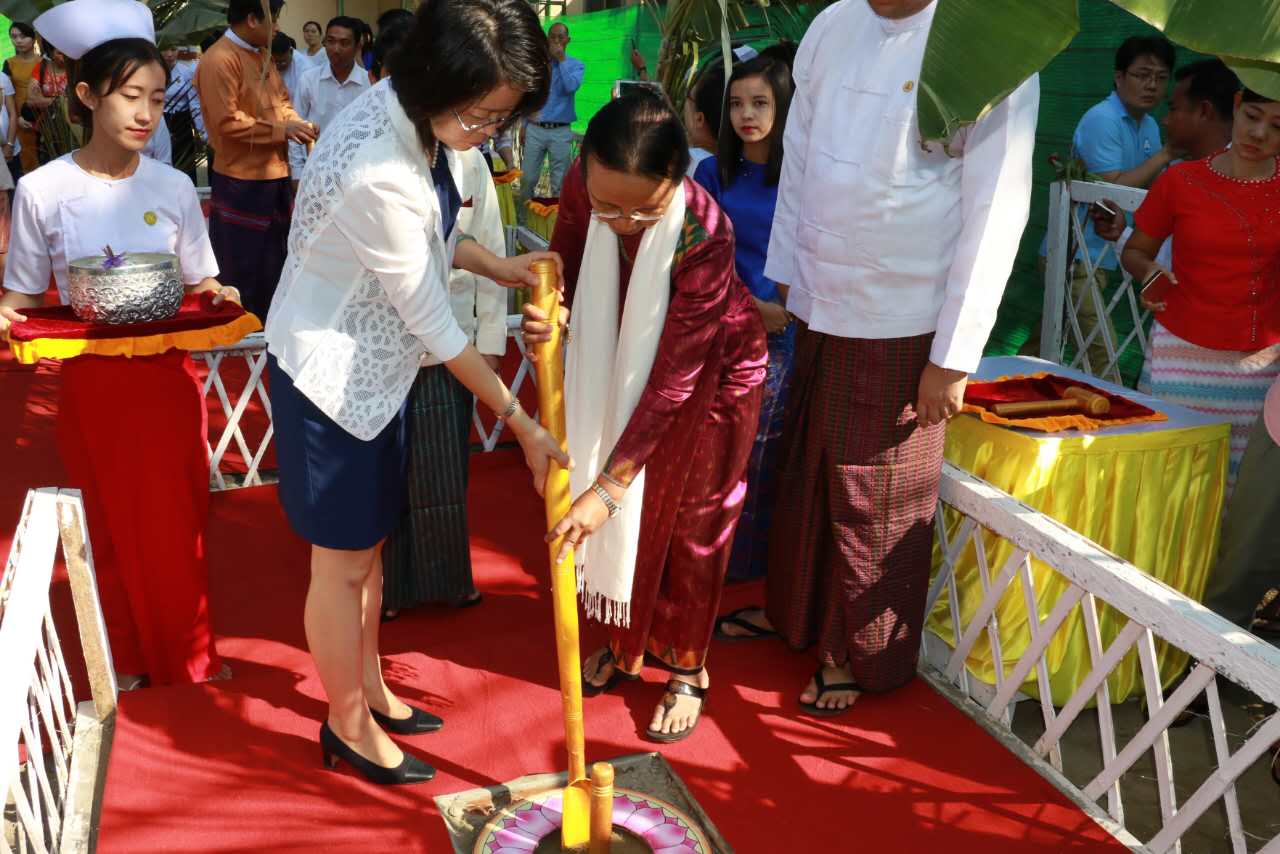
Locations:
(663, 389)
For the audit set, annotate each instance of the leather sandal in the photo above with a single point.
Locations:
(824, 689)
(675, 688)
(736, 618)
(618, 675)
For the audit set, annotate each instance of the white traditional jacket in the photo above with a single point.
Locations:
(479, 304)
(877, 235)
(364, 293)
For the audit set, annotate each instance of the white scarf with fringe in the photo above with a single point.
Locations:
(606, 371)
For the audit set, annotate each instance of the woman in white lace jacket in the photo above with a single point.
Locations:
(363, 296)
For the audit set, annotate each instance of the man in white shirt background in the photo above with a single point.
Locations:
(289, 61)
(322, 91)
(893, 257)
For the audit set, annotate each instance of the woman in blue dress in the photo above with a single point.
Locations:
(743, 178)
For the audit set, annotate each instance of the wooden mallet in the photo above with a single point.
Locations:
(1074, 399)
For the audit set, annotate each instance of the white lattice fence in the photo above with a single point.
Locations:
(1154, 611)
(252, 351)
(53, 750)
(1066, 325)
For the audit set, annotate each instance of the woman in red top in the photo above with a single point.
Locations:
(1215, 342)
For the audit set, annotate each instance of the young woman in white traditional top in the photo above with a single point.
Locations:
(363, 296)
(131, 432)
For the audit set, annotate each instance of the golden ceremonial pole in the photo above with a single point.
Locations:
(564, 583)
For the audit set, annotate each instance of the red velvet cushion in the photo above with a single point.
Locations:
(1048, 387)
(197, 312)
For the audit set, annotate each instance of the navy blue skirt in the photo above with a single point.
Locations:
(337, 491)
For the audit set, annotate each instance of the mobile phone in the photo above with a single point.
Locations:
(626, 87)
(1156, 290)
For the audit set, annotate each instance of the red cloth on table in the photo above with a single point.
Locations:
(131, 435)
(196, 312)
(691, 431)
(1049, 387)
(1226, 255)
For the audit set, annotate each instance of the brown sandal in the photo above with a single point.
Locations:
(675, 688)
(606, 658)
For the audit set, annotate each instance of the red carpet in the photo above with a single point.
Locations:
(236, 767)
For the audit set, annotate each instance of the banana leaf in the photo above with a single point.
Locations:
(180, 22)
(981, 50)
(1247, 37)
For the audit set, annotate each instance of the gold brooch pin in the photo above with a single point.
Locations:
(150, 218)
(908, 86)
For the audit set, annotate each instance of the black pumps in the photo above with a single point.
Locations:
(410, 770)
(418, 722)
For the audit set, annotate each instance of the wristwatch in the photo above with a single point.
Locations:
(604, 495)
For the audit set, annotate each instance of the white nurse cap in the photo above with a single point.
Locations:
(78, 26)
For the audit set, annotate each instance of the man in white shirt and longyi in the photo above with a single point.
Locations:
(896, 254)
(323, 90)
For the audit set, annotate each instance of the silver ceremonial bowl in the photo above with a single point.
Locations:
(137, 288)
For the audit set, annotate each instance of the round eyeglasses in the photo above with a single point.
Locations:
(484, 125)
(611, 216)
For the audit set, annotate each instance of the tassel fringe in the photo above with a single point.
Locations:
(601, 608)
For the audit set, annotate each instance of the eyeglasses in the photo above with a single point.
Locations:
(488, 123)
(1148, 78)
(610, 216)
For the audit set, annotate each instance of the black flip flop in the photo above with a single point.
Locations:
(735, 618)
(618, 675)
(675, 687)
(823, 689)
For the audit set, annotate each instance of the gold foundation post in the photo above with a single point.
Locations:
(575, 832)
(601, 807)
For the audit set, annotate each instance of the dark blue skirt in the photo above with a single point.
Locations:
(337, 491)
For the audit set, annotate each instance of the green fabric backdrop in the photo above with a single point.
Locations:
(602, 40)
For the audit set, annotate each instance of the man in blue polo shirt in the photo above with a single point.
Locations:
(1119, 141)
(548, 135)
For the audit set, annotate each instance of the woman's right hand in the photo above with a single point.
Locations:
(535, 327)
(539, 447)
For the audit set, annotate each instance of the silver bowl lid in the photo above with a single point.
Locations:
(125, 262)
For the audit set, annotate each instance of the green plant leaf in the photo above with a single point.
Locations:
(979, 51)
(1261, 77)
(1249, 29)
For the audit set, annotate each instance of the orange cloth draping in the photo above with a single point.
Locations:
(54, 332)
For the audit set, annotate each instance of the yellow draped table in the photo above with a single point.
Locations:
(1151, 493)
(504, 182)
(542, 216)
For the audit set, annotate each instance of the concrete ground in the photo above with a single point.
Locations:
(1193, 757)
